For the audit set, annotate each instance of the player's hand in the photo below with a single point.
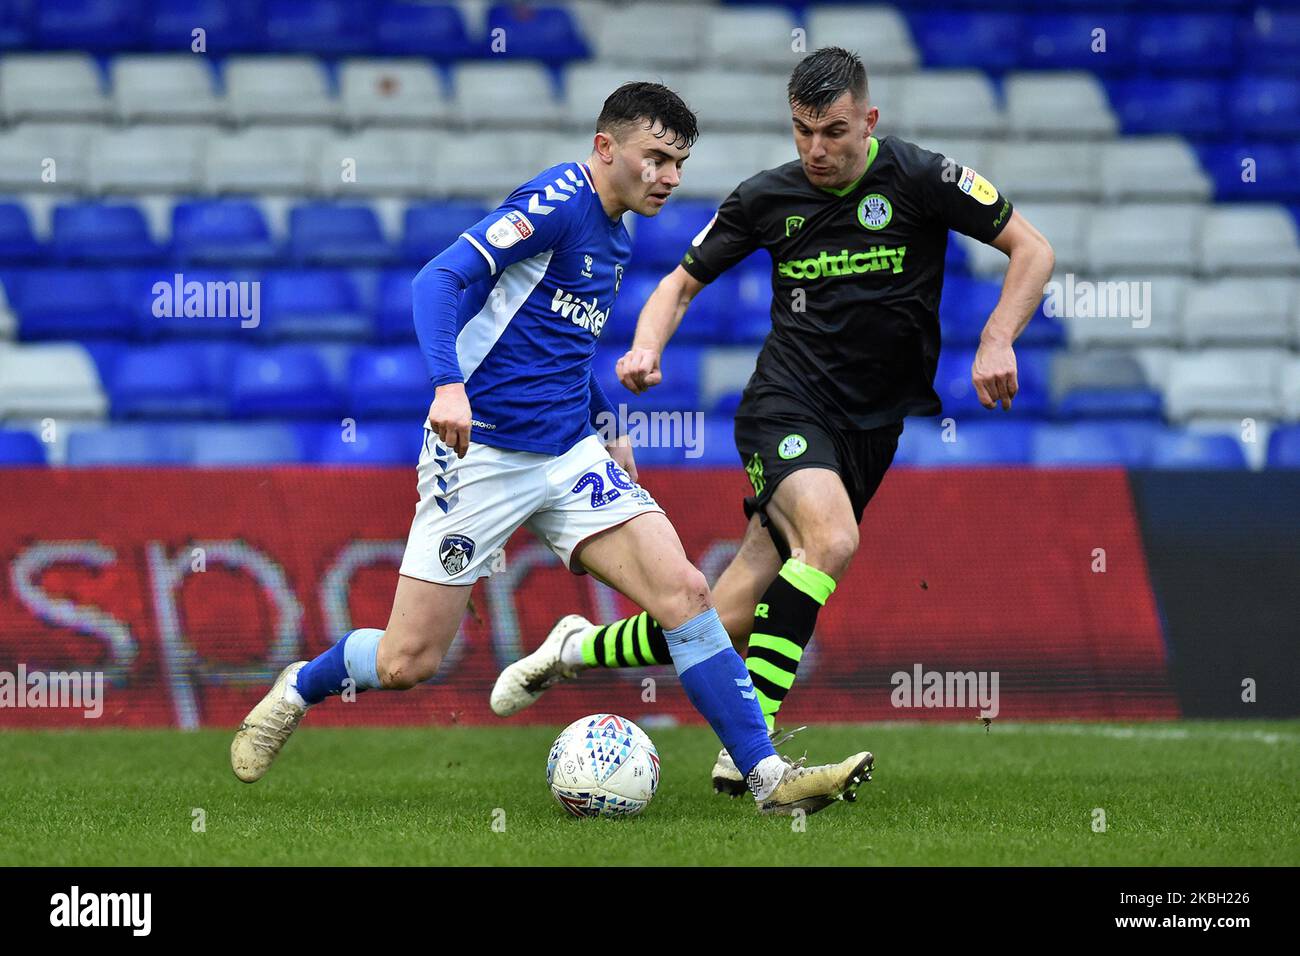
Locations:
(449, 417)
(639, 369)
(621, 451)
(994, 374)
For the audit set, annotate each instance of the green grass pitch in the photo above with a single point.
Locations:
(1192, 793)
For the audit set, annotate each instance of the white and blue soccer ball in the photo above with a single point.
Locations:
(603, 766)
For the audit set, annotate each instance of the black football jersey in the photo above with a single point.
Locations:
(856, 277)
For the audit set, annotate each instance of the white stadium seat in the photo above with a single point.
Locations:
(1157, 237)
(950, 102)
(1249, 239)
(1130, 310)
(259, 159)
(1239, 312)
(46, 156)
(1160, 168)
(1066, 105)
(50, 86)
(676, 39)
(1064, 224)
(164, 87)
(380, 161)
(1237, 383)
(731, 100)
(1052, 172)
(58, 380)
(148, 158)
(505, 94)
(462, 171)
(719, 163)
(278, 89)
(1291, 389)
(762, 39)
(880, 34)
(391, 91)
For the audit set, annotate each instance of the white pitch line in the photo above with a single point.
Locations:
(1115, 733)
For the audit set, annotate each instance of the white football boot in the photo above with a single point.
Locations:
(265, 729)
(815, 788)
(526, 679)
(727, 777)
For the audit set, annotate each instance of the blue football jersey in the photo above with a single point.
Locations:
(539, 276)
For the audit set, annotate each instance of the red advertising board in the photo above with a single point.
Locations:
(189, 588)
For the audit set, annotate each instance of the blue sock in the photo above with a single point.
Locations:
(720, 688)
(354, 656)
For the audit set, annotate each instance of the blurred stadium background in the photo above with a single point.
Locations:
(327, 149)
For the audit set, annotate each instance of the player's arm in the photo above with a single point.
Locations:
(1032, 260)
(728, 238)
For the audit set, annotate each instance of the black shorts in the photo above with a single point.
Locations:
(776, 438)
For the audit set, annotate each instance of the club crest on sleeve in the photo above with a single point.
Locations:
(509, 229)
(455, 552)
(792, 446)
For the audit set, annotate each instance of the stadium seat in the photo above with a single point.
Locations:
(461, 171)
(176, 88)
(1248, 239)
(229, 304)
(321, 27)
(126, 445)
(659, 243)
(1128, 309)
(750, 38)
(333, 234)
(404, 92)
(1065, 105)
(1186, 42)
(258, 159)
(730, 99)
(1050, 172)
(50, 86)
(1271, 41)
(282, 89)
(17, 242)
(394, 318)
(1074, 41)
(18, 448)
(97, 233)
(504, 94)
(67, 303)
(1161, 168)
(1239, 312)
(966, 441)
(221, 231)
(228, 27)
(1227, 383)
(1084, 444)
(1101, 384)
(1291, 389)
(678, 40)
(1257, 170)
(1262, 105)
(366, 443)
(1112, 403)
(713, 313)
(546, 33)
(59, 380)
(148, 159)
(1065, 223)
(234, 446)
(951, 102)
(1161, 238)
(378, 161)
(1181, 105)
(878, 29)
(429, 228)
(290, 381)
(87, 24)
(679, 390)
(165, 381)
(434, 30)
(988, 40)
(1284, 447)
(632, 295)
(1179, 449)
(721, 162)
(32, 146)
(389, 383)
(312, 304)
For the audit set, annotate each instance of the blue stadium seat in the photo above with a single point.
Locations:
(230, 231)
(1127, 403)
(429, 228)
(17, 241)
(1055, 41)
(679, 391)
(394, 315)
(436, 30)
(332, 234)
(93, 233)
(134, 444)
(321, 27)
(371, 443)
(1265, 105)
(228, 27)
(712, 318)
(985, 40)
(235, 446)
(1190, 43)
(1271, 42)
(209, 289)
(290, 381)
(1121, 444)
(632, 294)
(1184, 449)
(1164, 105)
(312, 303)
(166, 381)
(88, 25)
(20, 448)
(1270, 172)
(15, 25)
(660, 243)
(974, 442)
(70, 303)
(547, 33)
(1284, 447)
(965, 307)
(389, 382)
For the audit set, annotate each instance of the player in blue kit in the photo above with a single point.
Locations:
(508, 319)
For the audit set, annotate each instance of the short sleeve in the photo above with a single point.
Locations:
(960, 198)
(728, 238)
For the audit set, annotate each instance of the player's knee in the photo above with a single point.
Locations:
(402, 670)
(685, 595)
(833, 550)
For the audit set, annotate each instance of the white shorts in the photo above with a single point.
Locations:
(469, 507)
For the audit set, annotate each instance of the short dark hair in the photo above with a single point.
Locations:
(822, 77)
(648, 104)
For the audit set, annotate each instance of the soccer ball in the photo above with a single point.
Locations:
(603, 766)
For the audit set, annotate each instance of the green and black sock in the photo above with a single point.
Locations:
(636, 641)
(783, 626)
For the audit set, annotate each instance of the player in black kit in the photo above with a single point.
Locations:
(857, 229)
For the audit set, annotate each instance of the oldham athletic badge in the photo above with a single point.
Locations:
(455, 552)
